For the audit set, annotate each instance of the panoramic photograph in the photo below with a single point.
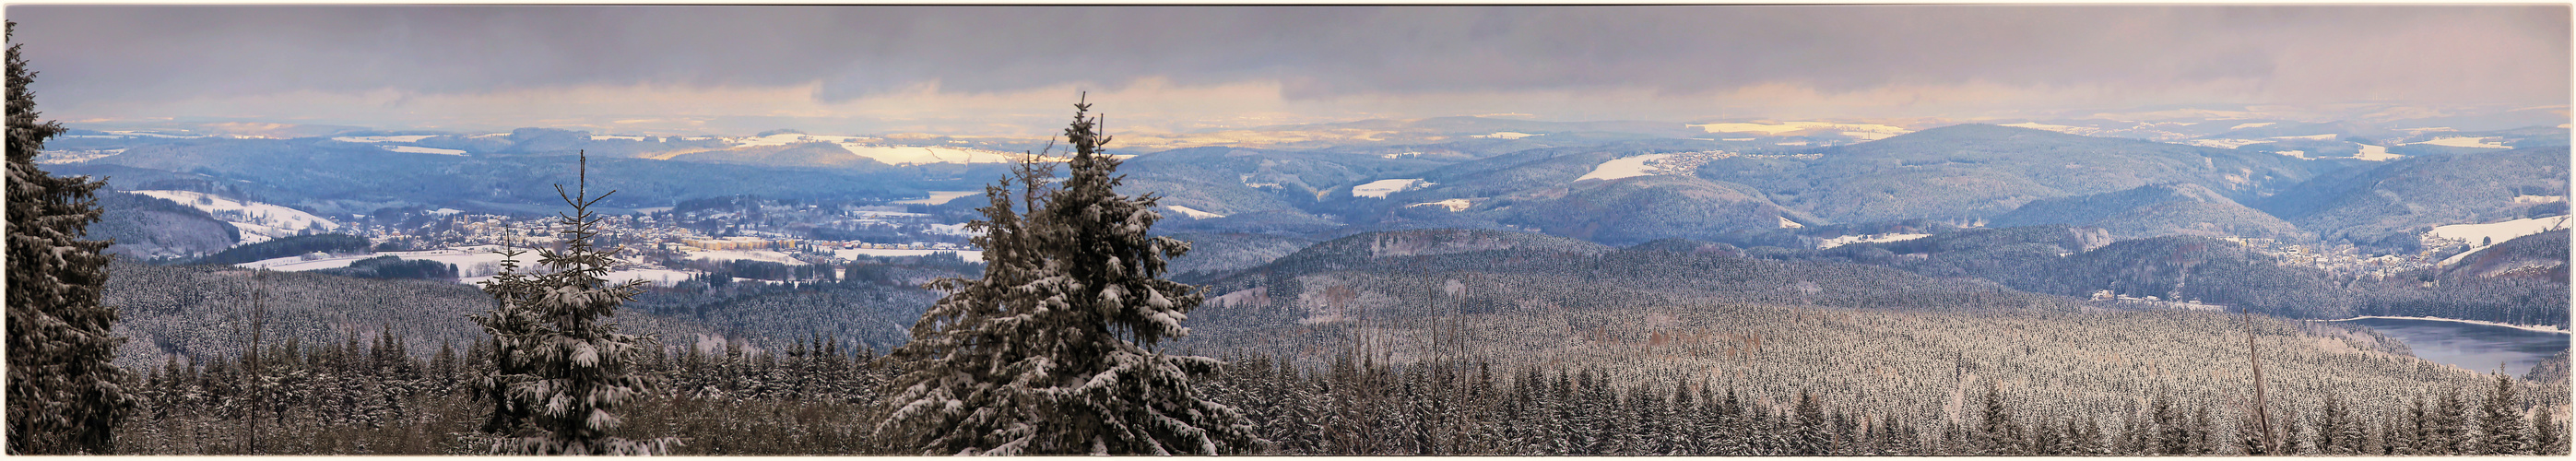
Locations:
(1496, 230)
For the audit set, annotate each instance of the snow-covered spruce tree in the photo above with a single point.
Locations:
(558, 366)
(64, 392)
(1054, 350)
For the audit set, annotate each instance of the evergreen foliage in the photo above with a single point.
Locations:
(1054, 350)
(561, 371)
(65, 394)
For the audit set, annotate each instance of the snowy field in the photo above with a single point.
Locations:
(2478, 234)
(467, 260)
(2502, 231)
(890, 154)
(1193, 213)
(754, 255)
(2222, 143)
(849, 253)
(2252, 125)
(1505, 135)
(1379, 188)
(940, 197)
(259, 222)
(2376, 154)
(378, 139)
(2463, 141)
(1872, 238)
(1623, 167)
(424, 150)
(1454, 205)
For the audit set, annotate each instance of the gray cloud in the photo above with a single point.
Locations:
(2283, 53)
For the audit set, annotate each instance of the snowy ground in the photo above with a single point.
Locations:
(376, 139)
(1193, 213)
(940, 197)
(2502, 231)
(424, 150)
(755, 255)
(2538, 328)
(258, 222)
(1505, 135)
(467, 260)
(2376, 154)
(2478, 235)
(969, 255)
(1623, 167)
(1454, 205)
(1379, 188)
(2464, 141)
(1872, 238)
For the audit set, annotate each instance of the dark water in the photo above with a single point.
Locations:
(2476, 347)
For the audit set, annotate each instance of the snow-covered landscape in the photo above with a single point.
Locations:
(258, 222)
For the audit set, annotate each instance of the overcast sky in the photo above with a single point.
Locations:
(1015, 70)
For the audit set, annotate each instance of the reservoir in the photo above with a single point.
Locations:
(2473, 346)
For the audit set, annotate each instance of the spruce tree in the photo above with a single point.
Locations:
(560, 367)
(2501, 427)
(65, 395)
(1055, 350)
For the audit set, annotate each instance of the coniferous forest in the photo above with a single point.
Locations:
(1501, 286)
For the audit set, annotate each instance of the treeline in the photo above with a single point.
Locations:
(373, 396)
(1463, 408)
(817, 397)
(290, 246)
(2051, 260)
(392, 267)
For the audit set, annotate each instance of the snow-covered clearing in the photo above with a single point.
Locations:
(1379, 188)
(2501, 231)
(958, 229)
(258, 222)
(2463, 141)
(596, 137)
(850, 253)
(1626, 167)
(661, 277)
(753, 255)
(2376, 154)
(2539, 198)
(2299, 154)
(156, 135)
(2222, 143)
(782, 139)
(378, 139)
(1193, 213)
(1505, 135)
(2484, 236)
(1785, 223)
(903, 155)
(2538, 328)
(1871, 238)
(1454, 205)
(424, 150)
(1792, 143)
(939, 197)
(2252, 125)
(2313, 137)
(472, 263)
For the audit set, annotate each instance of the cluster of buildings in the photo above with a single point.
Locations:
(2340, 260)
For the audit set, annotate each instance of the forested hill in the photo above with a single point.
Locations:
(1971, 171)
